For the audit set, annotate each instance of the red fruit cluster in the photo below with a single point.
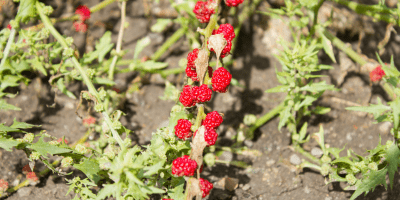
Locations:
(9, 26)
(204, 10)
(89, 120)
(191, 67)
(221, 79)
(233, 3)
(229, 34)
(184, 166)
(192, 95)
(377, 74)
(212, 120)
(205, 187)
(84, 14)
(60, 140)
(32, 176)
(3, 185)
(182, 129)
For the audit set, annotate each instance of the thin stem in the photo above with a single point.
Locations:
(170, 41)
(78, 66)
(8, 47)
(119, 41)
(315, 21)
(264, 119)
(307, 155)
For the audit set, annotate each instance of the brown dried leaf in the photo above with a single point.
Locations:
(201, 64)
(217, 42)
(198, 144)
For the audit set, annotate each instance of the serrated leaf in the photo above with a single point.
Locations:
(153, 169)
(8, 143)
(22, 125)
(395, 105)
(375, 109)
(327, 45)
(140, 45)
(5, 106)
(317, 87)
(177, 192)
(37, 64)
(284, 116)
(6, 129)
(90, 168)
(392, 157)
(26, 10)
(373, 179)
(9, 81)
(104, 46)
(279, 88)
(343, 160)
(63, 89)
(45, 148)
(306, 102)
(303, 131)
(320, 110)
(151, 65)
(160, 25)
(170, 92)
(108, 190)
(335, 151)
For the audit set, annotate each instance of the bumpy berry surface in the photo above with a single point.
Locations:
(212, 120)
(203, 11)
(201, 94)
(233, 3)
(192, 56)
(80, 27)
(210, 136)
(205, 187)
(186, 97)
(182, 129)
(3, 185)
(83, 12)
(229, 34)
(220, 80)
(32, 176)
(191, 73)
(377, 74)
(184, 166)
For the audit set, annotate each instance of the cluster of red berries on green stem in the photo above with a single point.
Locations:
(84, 14)
(228, 32)
(191, 67)
(377, 74)
(204, 9)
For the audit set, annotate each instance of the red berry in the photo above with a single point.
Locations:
(83, 12)
(3, 185)
(191, 73)
(167, 199)
(377, 74)
(182, 129)
(9, 26)
(212, 120)
(89, 120)
(233, 3)
(186, 97)
(192, 56)
(221, 80)
(32, 176)
(60, 140)
(210, 136)
(80, 27)
(184, 166)
(201, 94)
(229, 33)
(205, 187)
(204, 10)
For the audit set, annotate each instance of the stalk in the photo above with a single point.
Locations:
(8, 47)
(264, 119)
(170, 41)
(307, 155)
(77, 65)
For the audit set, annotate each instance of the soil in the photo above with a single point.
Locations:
(271, 175)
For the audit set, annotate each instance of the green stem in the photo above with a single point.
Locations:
(8, 47)
(170, 41)
(119, 42)
(77, 65)
(264, 119)
(307, 155)
(100, 6)
(315, 21)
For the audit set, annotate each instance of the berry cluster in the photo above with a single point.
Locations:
(182, 129)
(191, 67)
(3, 185)
(233, 3)
(211, 122)
(31, 176)
(229, 34)
(191, 95)
(204, 10)
(220, 80)
(205, 187)
(377, 74)
(184, 166)
(84, 14)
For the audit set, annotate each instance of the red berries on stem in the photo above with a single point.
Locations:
(205, 187)
(212, 120)
(192, 95)
(377, 74)
(233, 3)
(184, 166)
(84, 14)
(204, 10)
(182, 129)
(221, 79)
(229, 34)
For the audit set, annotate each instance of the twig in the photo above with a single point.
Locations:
(8, 47)
(167, 44)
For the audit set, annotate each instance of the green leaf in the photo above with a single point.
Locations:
(22, 125)
(175, 116)
(4, 128)
(317, 87)
(335, 151)
(375, 109)
(373, 179)
(153, 169)
(20, 66)
(140, 45)
(392, 157)
(63, 89)
(103, 81)
(26, 11)
(5, 106)
(306, 102)
(90, 167)
(37, 64)
(45, 148)
(279, 88)
(320, 110)
(8, 143)
(303, 131)
(343, 160)
(108, 190)
(9, 81)
(170, 92)
(327, 44)
(151, 65)
(160, 25)
(104, 46)
(177, 192)
(284, 116)
(395, 105)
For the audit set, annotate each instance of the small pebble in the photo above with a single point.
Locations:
(307, 190)
(25, 191)
(270, 163)
(348, 137)
(328, 198)
(295, 159)
(246, 187)
(248, 143)
(317, 152)
(384, 128)
(69, 105)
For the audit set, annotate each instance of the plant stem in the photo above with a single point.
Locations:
(119, 42)
(78, 66)
(8, 47)
(264, 119)
(315, 21)
(170, 41)
(307, 155)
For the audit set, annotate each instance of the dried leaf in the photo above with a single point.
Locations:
(201, 64)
